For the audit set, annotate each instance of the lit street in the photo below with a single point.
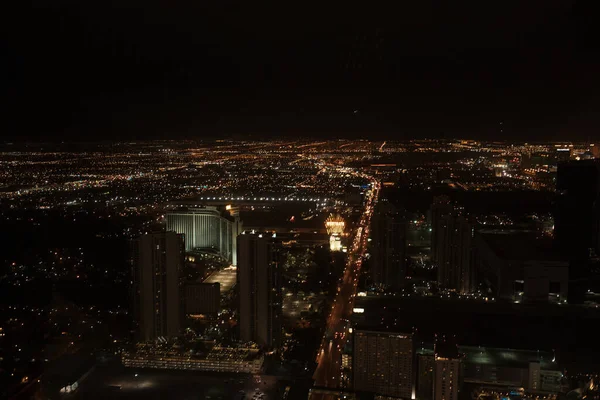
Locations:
(328, 370)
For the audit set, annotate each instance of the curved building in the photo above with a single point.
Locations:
(207, 228)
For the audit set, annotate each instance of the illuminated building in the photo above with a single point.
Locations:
(425, 376)
(335, 243)
(533, 371)
(259, 282)
(595, 149)
(451, 245)
(335, 229)
(158, 259)
(218, 359)
(447, 371)
(388, 246)
(447, 382)
(563, 154)
(207, 228)
(383, 363)
(444, 373)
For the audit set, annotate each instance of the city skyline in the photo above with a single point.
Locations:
(250, 201)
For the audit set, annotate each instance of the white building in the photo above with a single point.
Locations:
(207, 228)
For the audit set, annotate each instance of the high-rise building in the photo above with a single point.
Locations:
(520, 266)
(447, 381)
(451, 245)
(208, 228)
(447, 370)
(441, 208)
(563, 154)
(202, 298)
(259, 282)
(577, 216)
(388, 235)
(157, 291)
(577, 221)
(383, 363)
(425, 376)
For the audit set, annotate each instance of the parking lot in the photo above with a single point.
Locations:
(121, 383)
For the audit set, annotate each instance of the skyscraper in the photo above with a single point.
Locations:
(383, 363)
(442, 206)
(447, 370)
(447, 381)
(389, 246)
(563, 154)
(259, 282)
(451, 245)
(425, 376)
(577, 221)
(577, 216)
(202, 298)
(208, 228)
(157, 291)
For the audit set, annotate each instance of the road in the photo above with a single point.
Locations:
(328, 371)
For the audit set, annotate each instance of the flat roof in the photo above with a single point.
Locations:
(502, 357)
(511, 244)
(507, 357)
(226, 278)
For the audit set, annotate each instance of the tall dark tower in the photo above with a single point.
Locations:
(389, 246)
(577, 221)
(158, 259)
(451, 245)
(441, 208)
(259, 282)
(577, 214)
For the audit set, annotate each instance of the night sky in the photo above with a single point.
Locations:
(75, 70)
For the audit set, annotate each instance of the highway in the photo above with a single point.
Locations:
(328, 371)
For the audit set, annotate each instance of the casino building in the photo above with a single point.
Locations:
(209, 228)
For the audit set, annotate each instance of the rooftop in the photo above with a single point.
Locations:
(499, 356)
(225, 277)
(519, 245)
(507, 357)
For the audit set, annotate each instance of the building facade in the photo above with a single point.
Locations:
(425, 376)
(447, 378)
(451, 247)
(577, 214)
(218, 359)
(521, 267)
(388, 246)
(158, 259)
(383, 363)
(207, 228)
(563, 154)
(259, 282)
(335, 229)
(202, 298)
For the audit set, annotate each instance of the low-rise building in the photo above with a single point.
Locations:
(217, 359)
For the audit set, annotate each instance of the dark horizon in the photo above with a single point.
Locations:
(151, 71)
